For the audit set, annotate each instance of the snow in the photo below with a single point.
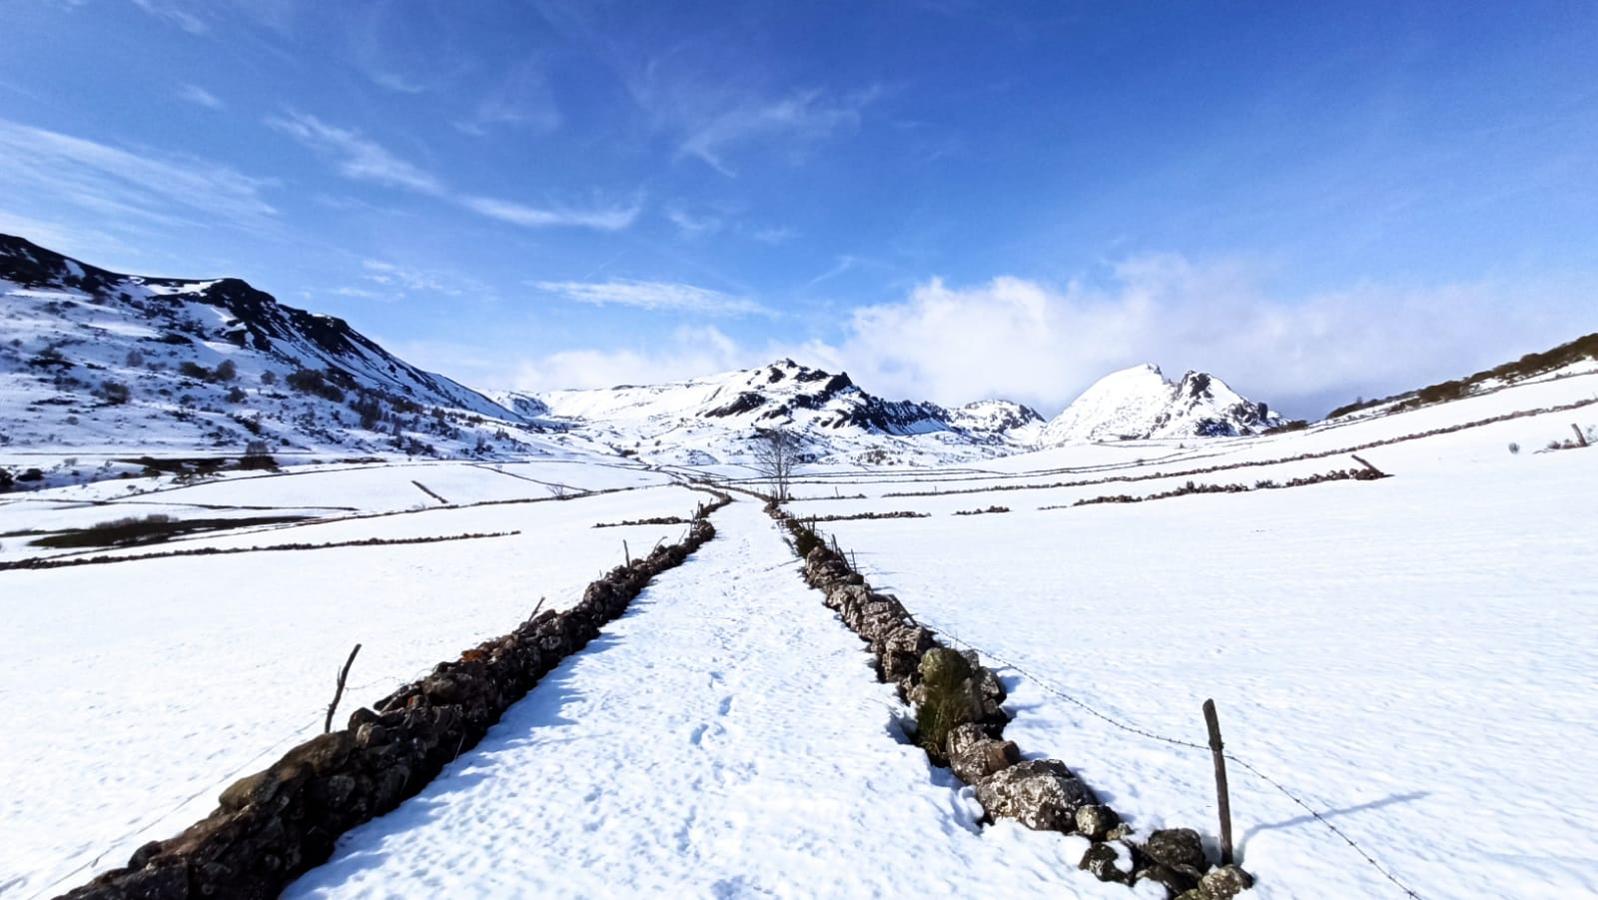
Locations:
(1412, 656)
(726, 737)
(138, 690)
(1138, 403)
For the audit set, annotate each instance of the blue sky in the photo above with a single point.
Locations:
(951, 200)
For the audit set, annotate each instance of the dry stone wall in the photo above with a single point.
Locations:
(960, 724)
(277, 823)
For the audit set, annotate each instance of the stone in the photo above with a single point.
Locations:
(360, 717)
(1173, 881)
(167, 879)
(1041, 794)
(1225, 882)
(144, 854)
(323, 753)
(899, 652)
(974, 756)
(371, 735)
(988, 684)
(1095, 821)
(1178, 849)
(257, 788)
(1102, 861)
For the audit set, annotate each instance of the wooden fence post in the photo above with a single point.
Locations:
(1581, 437)
(1372, 469)
(339, 693)
(1221, 793)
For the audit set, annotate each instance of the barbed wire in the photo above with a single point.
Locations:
(1125, 726)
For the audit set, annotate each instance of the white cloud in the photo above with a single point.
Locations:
(606, 218)
(174, 14)
(775, 235)
(798, 119)
(49, 174)
(693, 225)
(360, 158)
(652, 295)
(357, 156)
(1042, 344)
(397, 83)
(199, 96)
(685, 353)
(402, 280)
(521, 99)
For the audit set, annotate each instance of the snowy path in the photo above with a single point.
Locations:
(724, 738)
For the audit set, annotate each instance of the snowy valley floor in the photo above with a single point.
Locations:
(1412, 656)
(726, 737)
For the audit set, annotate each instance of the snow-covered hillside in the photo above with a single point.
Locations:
(1139, 403)
(712, 420)
(96, 360)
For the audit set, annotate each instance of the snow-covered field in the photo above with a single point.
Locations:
(1412, 657)
(726, 738)
(139, 689)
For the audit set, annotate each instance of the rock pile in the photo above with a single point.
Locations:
(960, 724)
(275, 824)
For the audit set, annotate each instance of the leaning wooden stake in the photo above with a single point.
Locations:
(339, 693)
(1220, 781)
(1581, 438)
(1378, 472)
(627, 554)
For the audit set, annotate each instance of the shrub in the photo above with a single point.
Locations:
(236, 394)
(948, 704)
(135, 359)
(257, 456)
(192, 369)
(115, 392)
(310, 381)
(269, 377)
(1514, 448)
(227, 371)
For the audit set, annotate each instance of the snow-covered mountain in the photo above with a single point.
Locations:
(1139, 403)
(1020, 424)
(96, 359)
(713, 418)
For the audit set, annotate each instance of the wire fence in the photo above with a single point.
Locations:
(213, 786)
(1047, 687)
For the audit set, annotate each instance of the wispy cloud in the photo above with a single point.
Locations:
(775, 235)
(356, 156)
(605, 218)
(403, 279)
(693, 225)
(360, 158)
(800, 118)
(174, 13)
(199, 96)
(396, 82)
(660, 296)
(49, 173)
(520, 99)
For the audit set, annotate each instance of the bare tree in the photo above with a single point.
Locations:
(776, 454)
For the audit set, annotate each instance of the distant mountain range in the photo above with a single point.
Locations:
(97, 360)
